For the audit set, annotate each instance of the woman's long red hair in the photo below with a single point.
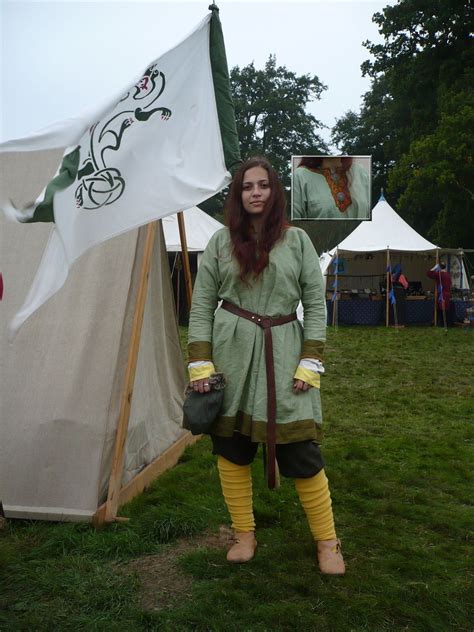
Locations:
(253, 259)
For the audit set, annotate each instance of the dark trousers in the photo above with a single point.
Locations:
(302, 459)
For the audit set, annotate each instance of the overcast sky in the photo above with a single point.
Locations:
(58, 58)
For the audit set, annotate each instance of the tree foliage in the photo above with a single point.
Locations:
(416, 120)
(270, 109)
(412, 27)
(435, 176)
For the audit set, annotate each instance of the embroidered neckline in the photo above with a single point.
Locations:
(338, 185)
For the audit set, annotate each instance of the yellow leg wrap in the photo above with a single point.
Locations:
(316, 501)
(236, 482)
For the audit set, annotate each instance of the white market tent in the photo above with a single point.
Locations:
(199, 229)
(386, 240)
(63, 377)
(365, 251)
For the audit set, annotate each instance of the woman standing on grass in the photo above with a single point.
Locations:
(260, 268)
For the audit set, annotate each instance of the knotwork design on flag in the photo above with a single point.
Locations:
(100, 183)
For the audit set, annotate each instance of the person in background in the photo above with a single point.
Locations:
(260, 267)
(332, 187)
(444, 307)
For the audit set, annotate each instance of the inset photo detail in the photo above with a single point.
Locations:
(330, 187)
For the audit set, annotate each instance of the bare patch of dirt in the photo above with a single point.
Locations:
(162, 581)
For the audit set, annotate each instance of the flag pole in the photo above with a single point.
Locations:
(387, 289)
(115, 481)
(185, 256)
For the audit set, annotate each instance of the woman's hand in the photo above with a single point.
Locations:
(202, 386)
(299, 385)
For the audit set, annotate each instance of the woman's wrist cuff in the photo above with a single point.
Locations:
(200, 370)
(308, 376)
(312, 365)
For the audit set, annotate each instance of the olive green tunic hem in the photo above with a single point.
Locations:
(290, 432)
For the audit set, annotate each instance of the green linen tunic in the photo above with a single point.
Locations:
(312, 197)
(236, 345)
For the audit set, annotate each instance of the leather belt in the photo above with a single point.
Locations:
(266, 323)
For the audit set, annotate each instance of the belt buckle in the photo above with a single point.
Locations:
(265, 322)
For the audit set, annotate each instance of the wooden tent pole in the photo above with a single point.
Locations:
(394, 303)
(141, 481)
(333, 297)
(115, 481)
(387, 290)
(185, 257)
(435, 317)
(335, 309)
(443, 304)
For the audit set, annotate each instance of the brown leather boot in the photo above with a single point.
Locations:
(244, 548)
(330, 558)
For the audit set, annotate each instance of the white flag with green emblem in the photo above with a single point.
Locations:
(168, 143)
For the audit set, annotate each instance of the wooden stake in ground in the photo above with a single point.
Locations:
(115, 480)
(185, 255)
(141, 481)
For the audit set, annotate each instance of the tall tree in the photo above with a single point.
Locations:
(415, 119)
(270, 108)
(435, 177)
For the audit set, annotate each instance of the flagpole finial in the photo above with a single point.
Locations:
(213, 7)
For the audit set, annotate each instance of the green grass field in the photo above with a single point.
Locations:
(399, 420)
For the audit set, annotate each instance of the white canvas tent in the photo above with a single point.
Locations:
(62, 377)
(363, 259)
(199, 229)
(364, 252)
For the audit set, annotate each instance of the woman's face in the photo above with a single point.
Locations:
(255, 190)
